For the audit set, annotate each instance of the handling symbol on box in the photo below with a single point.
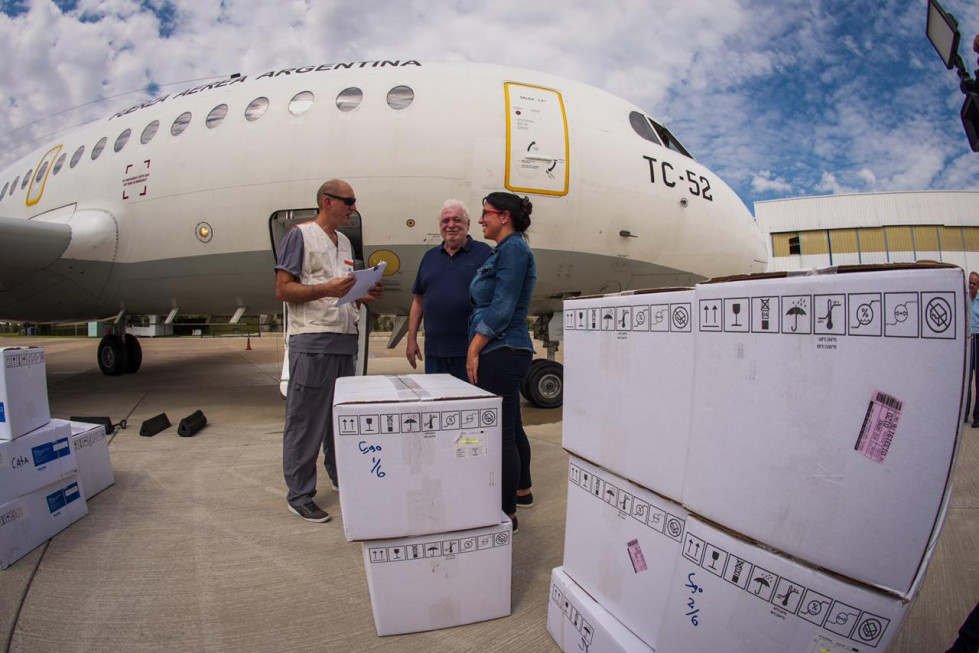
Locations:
(869, 630)
(938, 315)
(488, 417)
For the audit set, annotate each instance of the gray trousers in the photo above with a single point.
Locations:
(309, 419)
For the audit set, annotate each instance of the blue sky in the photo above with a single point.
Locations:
(780, 98)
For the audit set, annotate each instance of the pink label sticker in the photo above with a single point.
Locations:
(635, 554)
(879, 426)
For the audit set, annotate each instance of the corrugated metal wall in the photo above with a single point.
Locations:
(872, 228)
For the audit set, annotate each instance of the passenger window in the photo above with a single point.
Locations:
(122, 140)
(300, 103)
(40, 173)
(4, 191)
(642, 127)
(76, 157)
(256, 109)
(59, 164)
(149, 132)
(349, 99)
(400, 97)
(180, 124)
(217, 115)
(13, 186)
(27, 179)
(97, 150)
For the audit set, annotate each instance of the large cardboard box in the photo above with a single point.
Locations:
(729, 595)
(440, 580)
(30, 520)
(828, 413)
(628, 384)
(416, 454)
(23, 391)
(90, 446)
(621, 545)
(36, 459)
(577, 623)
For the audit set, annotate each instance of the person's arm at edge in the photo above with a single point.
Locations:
(472, 356)
(414, 321)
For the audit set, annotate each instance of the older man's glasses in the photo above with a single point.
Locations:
(349, 201)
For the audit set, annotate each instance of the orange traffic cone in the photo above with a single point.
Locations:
(248, 345)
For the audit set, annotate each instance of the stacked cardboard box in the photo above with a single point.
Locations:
(801, 431)
(48, 468)
(418, 463)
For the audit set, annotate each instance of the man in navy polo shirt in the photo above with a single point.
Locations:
(441, 292)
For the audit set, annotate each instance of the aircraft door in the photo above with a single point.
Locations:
(40, 177)
(536, 140)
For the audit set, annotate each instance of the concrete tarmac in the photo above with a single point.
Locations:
(193, 547)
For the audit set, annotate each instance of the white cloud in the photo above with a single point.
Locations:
(765, 182)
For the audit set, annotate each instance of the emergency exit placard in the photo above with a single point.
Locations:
(537, 140)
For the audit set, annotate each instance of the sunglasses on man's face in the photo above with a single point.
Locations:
(349, 201)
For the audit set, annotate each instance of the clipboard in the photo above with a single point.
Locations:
(365, 279)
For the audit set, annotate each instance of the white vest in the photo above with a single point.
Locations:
(322, 262)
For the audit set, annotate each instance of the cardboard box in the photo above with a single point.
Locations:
(441, 580)
(628, 384)
(23, 391)
(577, 623)
(416, 454)
(621, 545)
(90, 446)
(728, 595)
(828, 414)
(36, 459)
(28, 521)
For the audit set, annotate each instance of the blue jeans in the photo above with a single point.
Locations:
(500, 372)
(454, 365)
(972, 382)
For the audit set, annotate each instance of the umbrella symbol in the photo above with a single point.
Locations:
(411, 420)
(796, 311)
(606, 318)
(761, 583)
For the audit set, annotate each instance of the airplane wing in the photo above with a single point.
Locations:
(27, 247)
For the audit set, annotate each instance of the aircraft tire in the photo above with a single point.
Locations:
(134, 353)
(545, 384)
(112, 355)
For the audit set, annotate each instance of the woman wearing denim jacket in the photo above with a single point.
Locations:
(500, 348)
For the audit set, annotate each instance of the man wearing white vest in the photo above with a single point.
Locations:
(312, 272)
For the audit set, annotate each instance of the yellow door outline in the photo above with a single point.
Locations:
(564, 125)
(46, 163)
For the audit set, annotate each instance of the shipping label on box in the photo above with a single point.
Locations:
(90, 446)
(36, 459)
(416, 454)
(577, 623)
(730, 595)
(628, 378)
(440, 580)
(621, 545)
(23, 391)
(30, 520)
(829, 414)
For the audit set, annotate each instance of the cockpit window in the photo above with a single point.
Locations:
(97, 150)
(300, 103)
(349, 99)
(640, 124)
(669, 140)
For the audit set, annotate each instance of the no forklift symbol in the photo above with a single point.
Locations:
(869, 630)
(938, 315)
(680, 317)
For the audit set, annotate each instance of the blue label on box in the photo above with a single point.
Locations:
(3, 417)
(56, 501)
(50, 451)
(72, 493)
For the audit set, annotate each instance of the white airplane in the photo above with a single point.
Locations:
(176, 205)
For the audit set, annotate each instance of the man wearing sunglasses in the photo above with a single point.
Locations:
(312, 272)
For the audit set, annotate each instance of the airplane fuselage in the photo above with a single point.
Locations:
(187, 219)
